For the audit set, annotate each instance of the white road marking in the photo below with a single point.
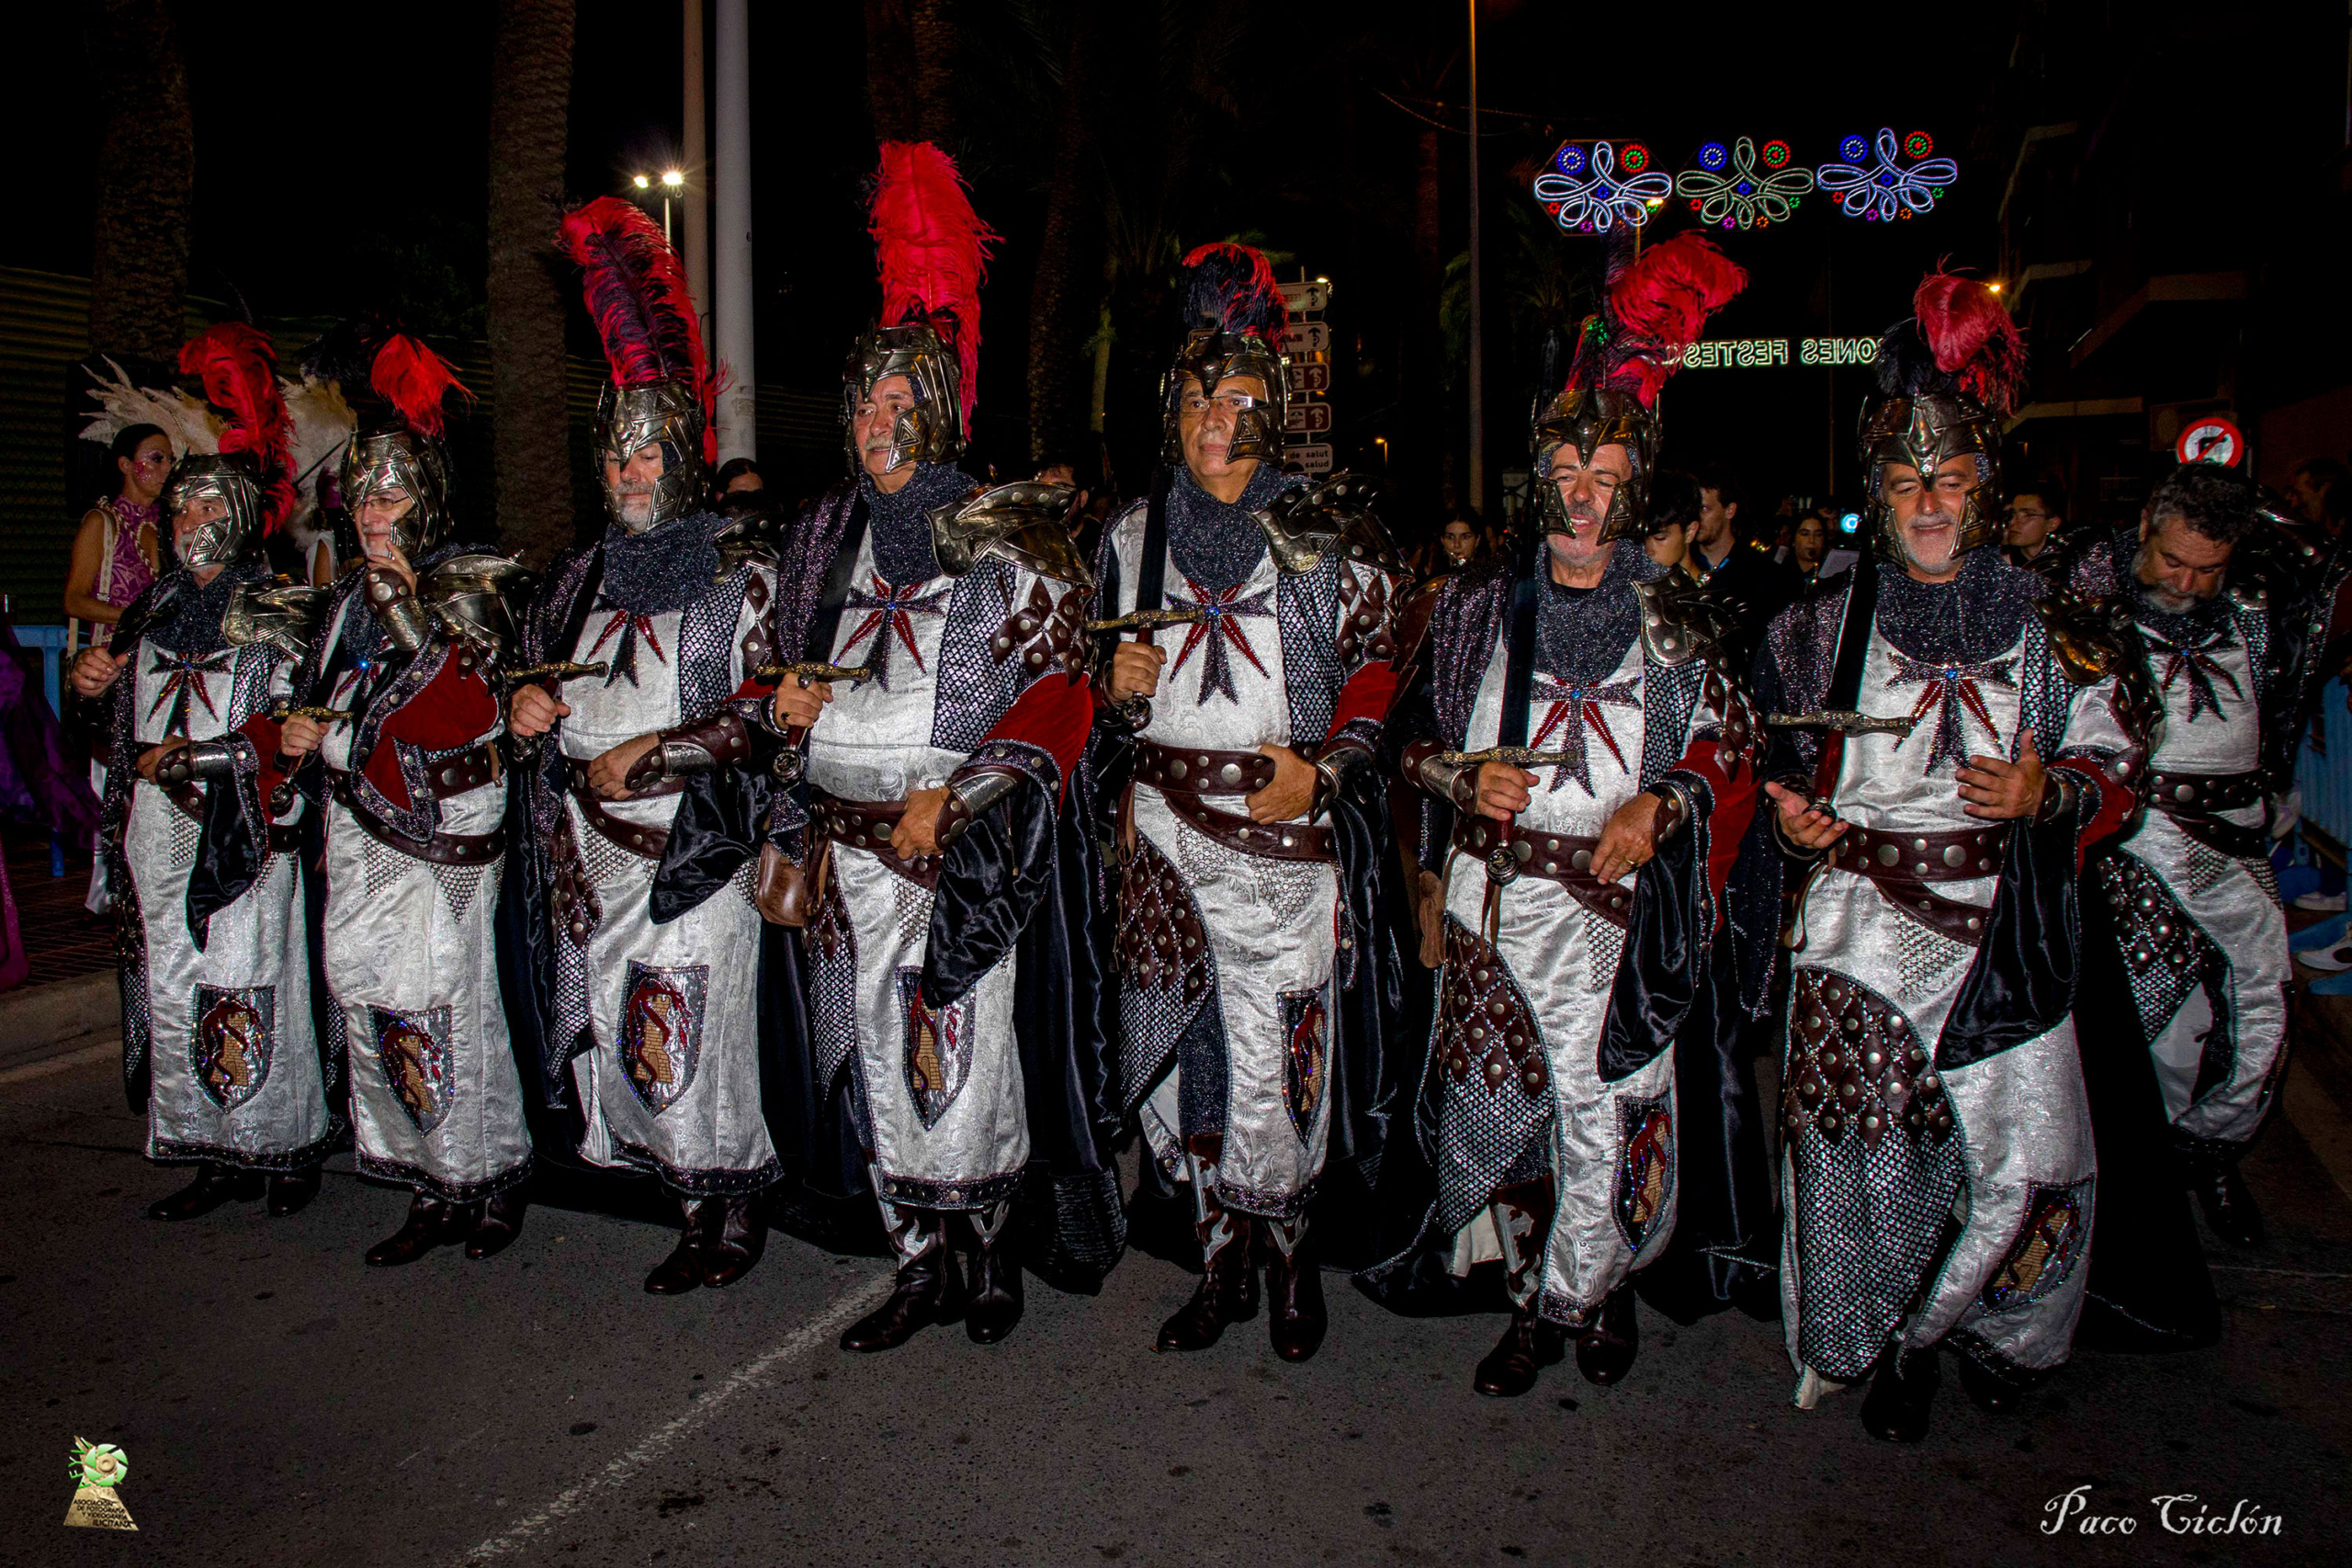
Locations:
(853, 1303)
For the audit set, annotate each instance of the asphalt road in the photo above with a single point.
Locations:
(279, 1404)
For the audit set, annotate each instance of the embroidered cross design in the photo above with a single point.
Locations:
(631, 625)
(1222, 630)
(890, 611)
(183, 676)
(1575, 710)
(1954, 693)
(2200, 667)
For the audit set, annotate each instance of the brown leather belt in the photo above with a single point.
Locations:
(635, 836)
(442, 849)
(870, 824)
(284, 839)
(1554, 857)
(1184, 775)
(2191, 800)
(1903, 864)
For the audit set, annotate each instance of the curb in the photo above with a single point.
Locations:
(38, 1017)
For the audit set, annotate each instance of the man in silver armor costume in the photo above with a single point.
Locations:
(221, 1048)
(649, 634)
(1246, 707)
(932, 735)
(1945, 748)
(397, 701)
(1584, 762)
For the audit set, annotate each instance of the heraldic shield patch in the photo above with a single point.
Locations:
(234, 1040)
(2057, 1224)
(938, 1048)
(661, 1031)
(1645, 1169)
(1306, 1057)
(413, 1048)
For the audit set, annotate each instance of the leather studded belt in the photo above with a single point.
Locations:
(469, 768)
(442, 849)
(284, 839)
(635, 836)
(1902, 865)
(1200, 771)
(870, 824)
(1267, 840)
(2172, 793)
(1511, 852)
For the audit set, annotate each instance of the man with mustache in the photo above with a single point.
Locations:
(1938, 1165)
(415, 814)
(1582, 894)
(639, 836)
(221, 1049)
(951, 1055)
(1254, 966)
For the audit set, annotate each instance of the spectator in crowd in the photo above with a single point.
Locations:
(1747, 579)
(2034, 515)
(1674, 508)
(2322, 492)
(114, 554)
(1809, 544)
(1063, 468)
(737, 475)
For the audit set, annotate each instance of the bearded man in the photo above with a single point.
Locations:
(653, 937)
(220, 1046)
(1569, 728)
(405, 720)
(1256, 972)
(950, 1050)
(1945, 750)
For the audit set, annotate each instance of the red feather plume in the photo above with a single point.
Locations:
(637, 291)
(1969, 332)
(933, 252)
(1658, 306)
(415, 381)
(1240, 286)
(238, 369)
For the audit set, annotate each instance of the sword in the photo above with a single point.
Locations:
(285, 711)
(789, 762)
(1842, 721)
(561, 671)
(1146, 621)
(1515, 756)
(282, 797)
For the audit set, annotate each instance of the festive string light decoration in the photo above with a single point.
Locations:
(1591, 192)
(1888, 186)
(1729, 191)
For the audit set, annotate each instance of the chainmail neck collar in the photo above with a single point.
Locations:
(1581, 636)
(900, 522)
(666, 567)
(2202, 623)
(1217, 543)
(192, 626)
(1967, 620)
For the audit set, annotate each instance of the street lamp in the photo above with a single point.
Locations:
(674, 184)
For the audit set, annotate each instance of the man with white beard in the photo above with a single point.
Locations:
(1945, 748)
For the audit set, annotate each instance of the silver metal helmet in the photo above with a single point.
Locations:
(396, 458)
(667, 414)
(1212, 357)
(1590, 417)
(226, 539)
(1925, 431)
(930, 432)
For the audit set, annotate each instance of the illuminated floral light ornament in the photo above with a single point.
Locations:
(1888, 187)
(1592, 193)
(1728, 190)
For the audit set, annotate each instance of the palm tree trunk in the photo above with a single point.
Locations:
(890, 86)
(1063, 308)
(529, 109)
(146, 173)
(935, 52)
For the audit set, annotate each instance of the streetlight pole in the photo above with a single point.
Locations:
(1477, 490)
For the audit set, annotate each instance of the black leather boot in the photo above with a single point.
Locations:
(214, 1185)
(426, 1227)
(500, 1222)
(2222, 1193)
(930, 1290)
(1294, 1315)
(1986, 1389)
(1228, 1292)
(1896, 1409)
(1605, 1351)
(735, 1242)
(290, 1192)
(1527, 1346)
(996, 1303)
(681, 1270)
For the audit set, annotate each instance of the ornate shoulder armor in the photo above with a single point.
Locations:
(2088, 635)
(1679, 624)
(1025, 525)
(1333, 515)
(285, 615)
(479, 598)
(753, 539)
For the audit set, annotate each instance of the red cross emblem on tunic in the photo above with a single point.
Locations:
(889, 611)
(1575, 710)
(1222, 629)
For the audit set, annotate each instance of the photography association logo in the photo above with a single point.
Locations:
(97, 1468)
